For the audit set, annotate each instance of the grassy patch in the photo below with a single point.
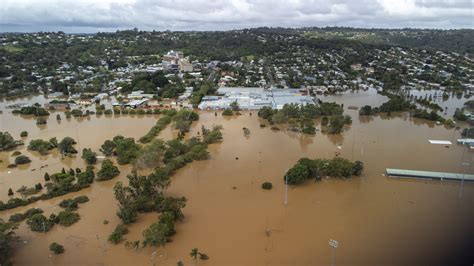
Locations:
(12, 49)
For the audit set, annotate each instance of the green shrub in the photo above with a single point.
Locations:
(81, 199)
(65, 146)
(89, 156)
(56, 248)
(7, 142)
(227, 112)
(267, 185)
(41, 146)
(297, 174)
(118, 233)
(30, 212)
(69, 204)
(24, 134)
(67, 218)
(17, 217)
(39, 223)
(86, 177)
(107, 171)
(338, 167)
(22, 159)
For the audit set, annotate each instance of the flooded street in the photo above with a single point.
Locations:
(377, 220)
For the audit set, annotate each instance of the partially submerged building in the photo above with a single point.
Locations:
(253, 98)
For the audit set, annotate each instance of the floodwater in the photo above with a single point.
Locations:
(376, 219)
(371, 97)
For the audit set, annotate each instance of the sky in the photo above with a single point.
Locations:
(89, 16)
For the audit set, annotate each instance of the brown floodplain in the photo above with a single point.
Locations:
(378, 220)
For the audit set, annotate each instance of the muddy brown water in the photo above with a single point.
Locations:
(376, 219)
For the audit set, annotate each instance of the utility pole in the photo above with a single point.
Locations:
(286, 190)
(464, 164)
(334, 244)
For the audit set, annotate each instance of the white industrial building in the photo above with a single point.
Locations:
(253, 98)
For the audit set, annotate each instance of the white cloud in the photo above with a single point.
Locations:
(109, 15)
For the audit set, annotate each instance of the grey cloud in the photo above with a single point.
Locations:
(109, 15)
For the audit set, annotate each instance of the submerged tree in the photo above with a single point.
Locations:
(66, 146)
(127, 211)
(107, 171)
(7, 238)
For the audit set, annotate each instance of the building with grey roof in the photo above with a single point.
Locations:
(253, 98)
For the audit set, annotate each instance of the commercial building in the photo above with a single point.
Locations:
(253, 98)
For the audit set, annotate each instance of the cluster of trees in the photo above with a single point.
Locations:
(118, 233)
(459, 115)
(7, 240)
(301, 117)
(22, 159)
(58, 184)
(89, 156)
(160, 125)
(183, 119)
(335, 124)
(19, 217)
(306, 169)
(56, 248)
(213, 135)
(31, 110)
(424, 114)
(429, 104)
(125, 149)
(43, 146)
(368, 110)
(158, 233)
(206, 88)
(7, 142)
(27, 191)
(65, 146)
(147, 82)
(107, 171)
(37, 222)
(396, 104)
(73, 204)
(126, 111)
(146, 193)
(40, 223)
(227, 112)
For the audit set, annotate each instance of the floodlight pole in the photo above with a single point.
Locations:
(286, 189)
(333, 256)
(334, 244)
(464, 168)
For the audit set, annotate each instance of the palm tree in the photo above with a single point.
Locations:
(194, 254)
